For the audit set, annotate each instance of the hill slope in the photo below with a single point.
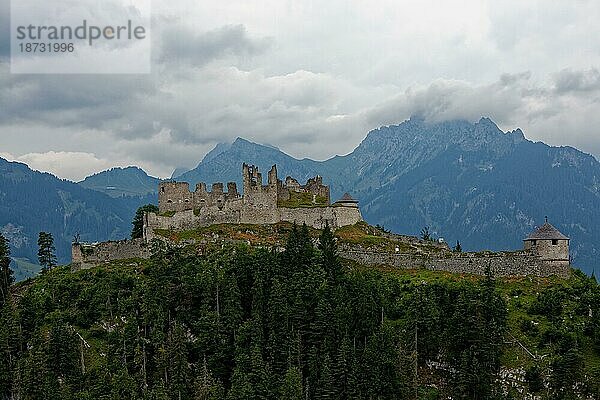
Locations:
(242, 323)
(118, 182)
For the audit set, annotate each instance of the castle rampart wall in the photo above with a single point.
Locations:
(238, 213)
(89, 255)
(521, 263)
(317, 217)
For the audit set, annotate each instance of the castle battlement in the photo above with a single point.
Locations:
(545, 251)
(269, 203)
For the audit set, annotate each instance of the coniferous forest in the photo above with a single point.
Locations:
(257, 323)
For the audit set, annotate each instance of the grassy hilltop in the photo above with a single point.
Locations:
(240, 322)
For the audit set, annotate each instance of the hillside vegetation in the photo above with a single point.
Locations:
(254, 323)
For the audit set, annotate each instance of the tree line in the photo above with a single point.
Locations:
(257, 323)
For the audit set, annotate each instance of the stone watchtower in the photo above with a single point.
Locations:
(549, 245)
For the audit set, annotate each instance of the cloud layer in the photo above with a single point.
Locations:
(311, 80)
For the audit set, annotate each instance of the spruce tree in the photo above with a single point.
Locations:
(6, 274)
(46, 251)
(458, 247)
(329, 258)
(291, 389)
(137, 231)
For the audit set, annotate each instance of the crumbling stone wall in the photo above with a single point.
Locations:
(520, 263)
(85, 255)
(238, 213)
(317, 217)
(176, 196)
(258, 204)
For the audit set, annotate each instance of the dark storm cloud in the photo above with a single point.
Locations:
(130, 106)
(183, 45)
(83, 100)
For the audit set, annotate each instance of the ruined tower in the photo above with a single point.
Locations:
(549, 244)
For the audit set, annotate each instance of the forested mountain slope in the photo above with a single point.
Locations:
(242, 323)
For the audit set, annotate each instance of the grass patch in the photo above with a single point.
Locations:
(262, 235)
(303, 199)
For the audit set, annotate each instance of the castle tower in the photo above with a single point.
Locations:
(549, 244)
(272, 182)
(174, 196)
(251, 177)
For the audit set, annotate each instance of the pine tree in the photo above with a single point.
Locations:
(207, 387)
(9, 343)
(299, 251)
(177, 370)
(137, 231)
(6, 274)
(341, 370)
(291, 389)
(326, 388)
(458, 247)
(46, 252)
(329, 258)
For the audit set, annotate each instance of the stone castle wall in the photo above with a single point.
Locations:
(519, 263)
(557, 253)
(501, 264)
(89, 255)
(176, 196)
(180, 209)
(317, 217)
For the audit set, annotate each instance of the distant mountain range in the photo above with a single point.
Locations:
(31, 202)
(465, 181)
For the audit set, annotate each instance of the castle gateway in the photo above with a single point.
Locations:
(277, 201)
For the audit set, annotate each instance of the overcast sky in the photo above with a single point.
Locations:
(312, 78)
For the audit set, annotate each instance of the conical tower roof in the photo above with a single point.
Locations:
(346, 198)
(546, 232)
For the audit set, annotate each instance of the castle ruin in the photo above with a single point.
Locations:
(545, 251)
(277, 201)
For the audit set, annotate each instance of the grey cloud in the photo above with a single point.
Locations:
(544, 112)
(82, 100)
(447, 100)
(130, 106)
(4, 30)
(512, 79)
(567, 81)
(180, 44)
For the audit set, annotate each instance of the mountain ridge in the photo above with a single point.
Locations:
(418, 173)
(466, 181)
